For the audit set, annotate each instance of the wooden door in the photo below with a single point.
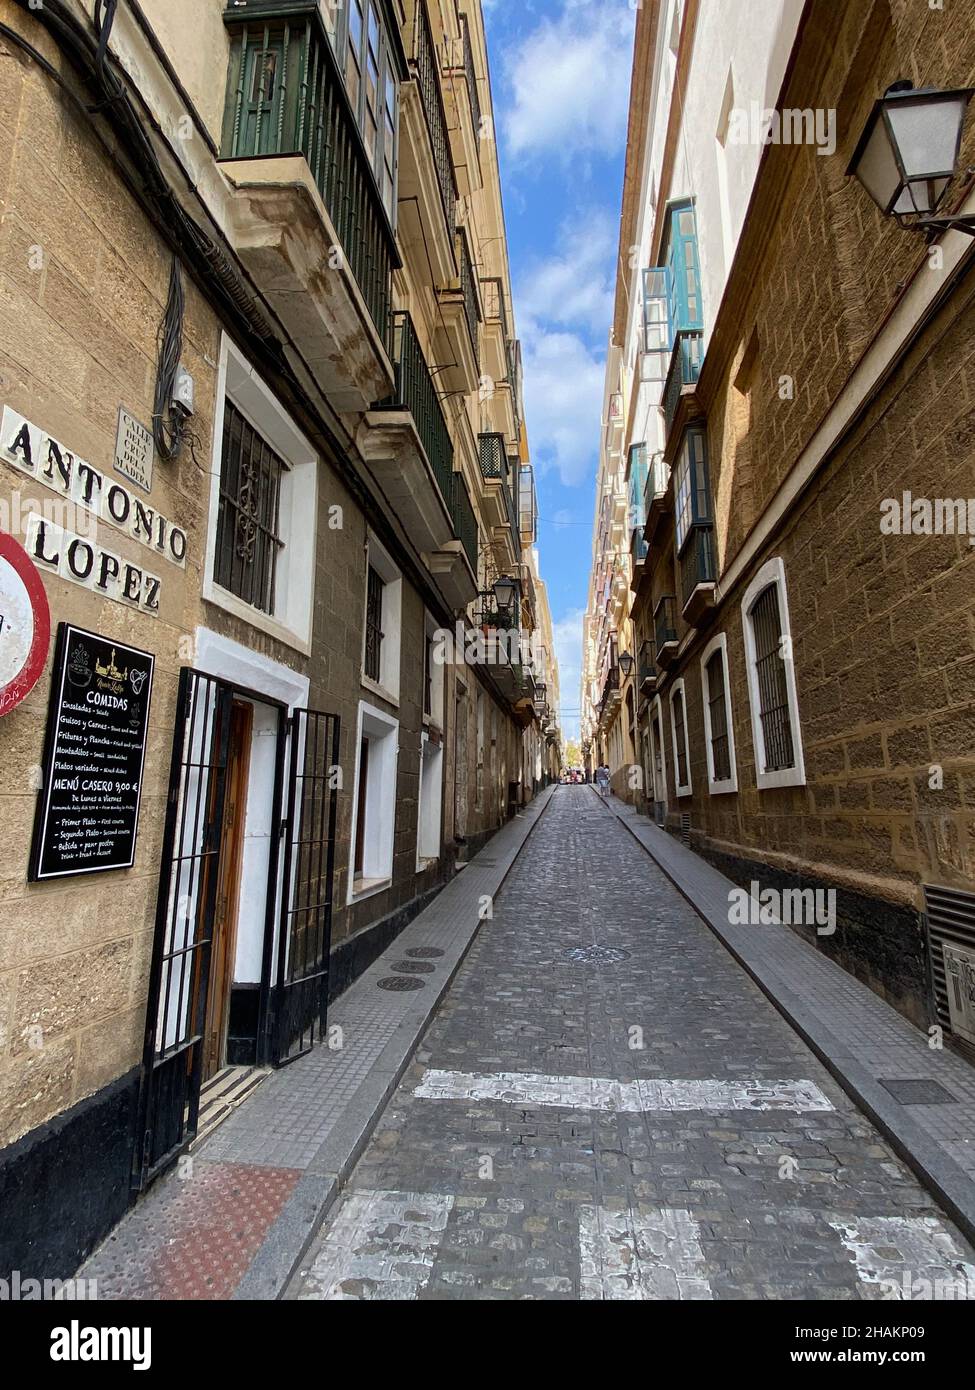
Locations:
(228, 888)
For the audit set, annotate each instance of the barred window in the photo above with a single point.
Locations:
(773, 692)
(248, 540)
(374, 625)
(718, 715)
(680, 737)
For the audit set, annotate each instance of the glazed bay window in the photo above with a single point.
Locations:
(772, 679)
(718, 729)
(694, 520)
(370, 80)
(263, 489)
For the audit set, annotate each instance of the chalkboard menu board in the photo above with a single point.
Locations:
(88, 807)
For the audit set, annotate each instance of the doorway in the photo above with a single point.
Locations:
(230, 864)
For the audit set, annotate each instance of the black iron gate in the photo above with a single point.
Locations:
(306, 898)
(176, 1013)
(300, 873)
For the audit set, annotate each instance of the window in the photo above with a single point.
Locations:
(771, 679)
(374, 802)
(682, 755)
(719, 732)
(430, 813)
(692, 486)
(374, 625)
(382, 637)
(371, 82)
(260, 562)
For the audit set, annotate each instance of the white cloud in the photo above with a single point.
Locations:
(575, 285)
(563, 402)
(569, 81)
(567, 636)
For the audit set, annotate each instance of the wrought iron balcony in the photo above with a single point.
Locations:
(471, 75)
(665, 631)
(463, 516)
(685, 368)
(427, 71)
(639, 549)
(698, 570)
(468, 290)
(611, 690)
(647, 667)
(496, 315)
(286, 97)
(416, 392)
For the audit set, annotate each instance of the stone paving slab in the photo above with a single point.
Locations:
(286, 1151)
(513, 1163)
(859, 1037)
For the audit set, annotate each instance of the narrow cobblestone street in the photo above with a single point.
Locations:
(639, 1125)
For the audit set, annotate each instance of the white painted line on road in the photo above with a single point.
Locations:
(907, 1258)
(598, 1093)
(639, 1255)
(381, 1245)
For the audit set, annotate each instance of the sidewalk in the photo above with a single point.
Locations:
(233, 1218)
(866, 1045)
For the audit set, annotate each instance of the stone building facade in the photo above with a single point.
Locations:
(801, 700)
(286, 216)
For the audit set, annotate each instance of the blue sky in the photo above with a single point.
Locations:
(560, 72)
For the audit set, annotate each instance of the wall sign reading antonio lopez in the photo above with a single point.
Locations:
(88, 808)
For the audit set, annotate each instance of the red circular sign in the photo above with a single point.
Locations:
(25, 624)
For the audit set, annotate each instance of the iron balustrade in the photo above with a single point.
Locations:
(685, 368)
(697, 560)
(492, 294)
(471, 75)
(416, 392)
(664, 625)
(494, 461)
(638, 546)
(647, 669)
(610, 687)
(468, 289)
(285, 96)
(427, 71)
(464, 518)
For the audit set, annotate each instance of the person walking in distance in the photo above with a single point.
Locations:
(602, 780)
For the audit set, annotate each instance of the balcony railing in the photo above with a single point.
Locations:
(495, 465)
(468, 289)
(658, 479)
(664, 627)
(492, 294)
(464, 518)
(471, 75)
(428, 78)
(285, 97)
(685, 368)
(416, 392)
(697, 561)
(610, 688)
(647, 669)
(638, 546)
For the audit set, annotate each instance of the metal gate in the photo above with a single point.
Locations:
(173, 1058)
(306, 900)
(300, 873)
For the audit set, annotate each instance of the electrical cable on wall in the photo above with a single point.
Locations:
(168, 420)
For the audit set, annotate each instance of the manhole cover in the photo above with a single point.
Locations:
(425, 953)
(596, 955)
(414, 967)
(401, 982)
(919, 1091)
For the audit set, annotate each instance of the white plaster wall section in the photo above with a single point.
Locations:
(637, 1256)
(634, 1097)
(907, 1258)
(381, 1245)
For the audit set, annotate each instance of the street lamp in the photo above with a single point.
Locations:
(908, 153)
(505, 592)
(626, 663)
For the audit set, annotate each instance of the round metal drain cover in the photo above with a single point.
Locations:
(414, 967)
(425, 953)
(596, 955)
(401, 982)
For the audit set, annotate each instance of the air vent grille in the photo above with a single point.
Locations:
(951, 923)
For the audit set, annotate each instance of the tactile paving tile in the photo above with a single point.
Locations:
(193, 1237)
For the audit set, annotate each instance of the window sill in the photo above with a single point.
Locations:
(230, 603)
(368, 888)
(381, 691)
(722, 788)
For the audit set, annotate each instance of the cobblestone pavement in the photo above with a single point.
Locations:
(639, 1125)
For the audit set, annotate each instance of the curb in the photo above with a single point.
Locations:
(946, 1180)
(274, 1267)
